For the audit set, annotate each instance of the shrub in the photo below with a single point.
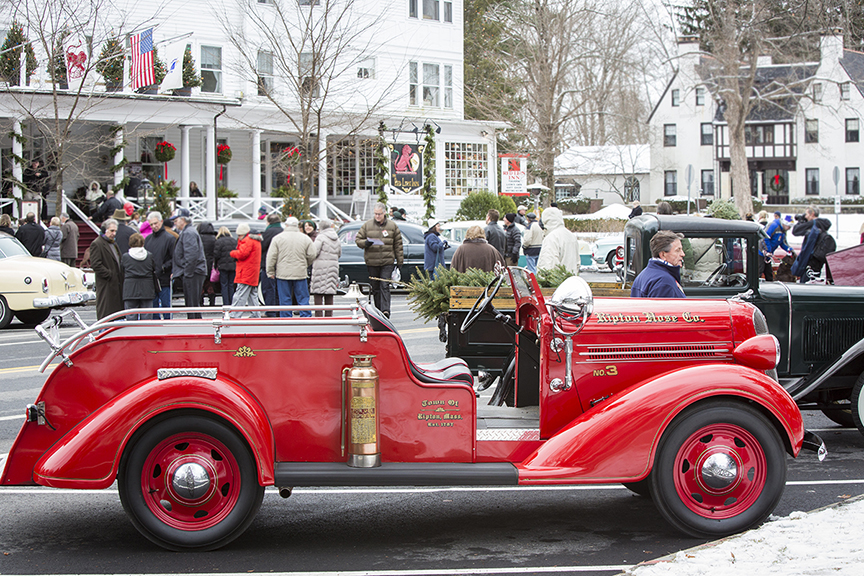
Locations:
(724, 209)
(578, 206)
(224, 192)
(595, 224)
(506, 205)
(477, 204)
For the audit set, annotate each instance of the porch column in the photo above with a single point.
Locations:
(268, 168)
(322, 174)
(118, 156)
(211, 172)
(256, 171)
(184, 160)
(17, 169)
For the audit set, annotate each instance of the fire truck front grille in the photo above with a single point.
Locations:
(642, 352)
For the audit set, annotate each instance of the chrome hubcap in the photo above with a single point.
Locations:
(719, 471)
(191, 481)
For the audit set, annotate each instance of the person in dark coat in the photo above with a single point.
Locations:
(637, 210)
(69, 244)
(475, 252)
(494, 233)
(226, 265)
(124, 231)
(160, 244)
(108, 207)
(31, 235)
(513, 240)
(208, 240)
(6, 225)
(268, 285)
(36, 179)
(53, 238)
(105, 261)
(189, 263)
(434, 247)
(139, 276)
(661, 278)
(813, 252)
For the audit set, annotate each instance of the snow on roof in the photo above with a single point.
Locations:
(585, 160)
(613, 211)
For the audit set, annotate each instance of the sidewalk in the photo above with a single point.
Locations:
(821, 542)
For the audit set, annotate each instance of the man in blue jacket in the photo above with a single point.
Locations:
(661, 278)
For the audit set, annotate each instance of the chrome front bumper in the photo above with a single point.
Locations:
(68, 299)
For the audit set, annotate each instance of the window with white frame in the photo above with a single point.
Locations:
(265, 73)
(412, 8)
(211, 69)
(430, 9)
(707, 183)
(706, 137)
(811, 131)
(448, 11)
(700, 96)
(671, 183)
(844, 91)
(852, 130)
(676, 97)
(431, 85)
(466, 168)
(448, 86)
(366, 69)
(428, 93)
(413, 84)
(670, 135)
(308, 81)
(350, 165)
(853, 181)
(308, 2)
(812, 180)
(817, 91)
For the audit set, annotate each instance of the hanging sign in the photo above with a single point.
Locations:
(514, 174)
(406, 166)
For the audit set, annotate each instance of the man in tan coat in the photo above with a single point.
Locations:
(381, 241)
(289, 257)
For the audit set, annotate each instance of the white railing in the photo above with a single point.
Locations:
(69, 205)
(241, 208)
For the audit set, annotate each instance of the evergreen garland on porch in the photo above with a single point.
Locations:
(120, 165)
(382, 163)
(429, 172)
(17, 159)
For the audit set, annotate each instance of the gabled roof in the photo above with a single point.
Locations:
(662, 96)
(853, 63)
(796, 77)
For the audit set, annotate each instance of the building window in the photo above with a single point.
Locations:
(265, 73)
(350, 165)
(366, 69)
(412, 8)
(671, 187)
(670, 137)
(631, 189)
(308, 82)
(448, 11)
(853, 181)
(811, 131)
(448, 86)
(413, 83)
(431, 83)
(466, 168)
(676, 97)
(308, 2)
(844, 91)
(759, 135)
(707, 138)
(153, 170)
(211, 69)
(430, 9)
(700, 96)
(851, 130)
(707, 183)
(812, 177)
(817, 91)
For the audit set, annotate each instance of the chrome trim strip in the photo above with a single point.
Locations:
(508, 434)
(165, 373)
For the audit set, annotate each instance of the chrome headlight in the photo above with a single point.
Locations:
(573, 301)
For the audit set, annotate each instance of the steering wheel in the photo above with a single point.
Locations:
(715, 275)
(483, 301)
(737, 280)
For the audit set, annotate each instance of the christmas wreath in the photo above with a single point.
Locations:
(223, 154)
(777, 184)
(165, 151)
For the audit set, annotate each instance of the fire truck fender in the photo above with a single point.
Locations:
(616, 441)
(88, 456)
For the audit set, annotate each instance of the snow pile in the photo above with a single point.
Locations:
(613, 211)
(827, 541)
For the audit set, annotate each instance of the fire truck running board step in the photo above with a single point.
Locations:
(397, 474)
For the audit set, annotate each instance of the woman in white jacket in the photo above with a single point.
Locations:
(325, 268)
(560, 246)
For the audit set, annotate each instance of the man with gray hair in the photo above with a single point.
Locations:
(105, 261)
(69, 243)
(189, 263)
(289, 257)
(160, 245)
(661, 278)
(381, 241)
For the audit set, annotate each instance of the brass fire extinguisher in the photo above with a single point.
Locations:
(361, 401)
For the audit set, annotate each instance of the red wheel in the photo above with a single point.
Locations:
(720, 469)
(190, 483)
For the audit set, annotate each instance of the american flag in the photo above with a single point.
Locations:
(142, 59)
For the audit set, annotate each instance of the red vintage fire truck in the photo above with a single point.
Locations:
(194, 418)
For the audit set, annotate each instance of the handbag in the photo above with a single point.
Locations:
(214, 274)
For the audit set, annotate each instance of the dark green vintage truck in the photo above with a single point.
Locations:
(820, 327)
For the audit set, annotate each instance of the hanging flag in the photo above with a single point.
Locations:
(75, 54)
(142, 60)
(174, 63)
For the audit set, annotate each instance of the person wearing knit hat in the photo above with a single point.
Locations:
(513, 240)
(246, 272)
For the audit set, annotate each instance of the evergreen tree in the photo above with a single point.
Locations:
(10, 62)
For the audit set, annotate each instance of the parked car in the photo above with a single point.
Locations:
(207, 415)
(820, 327)
(353, 266)
(609, 250)
(31, 287)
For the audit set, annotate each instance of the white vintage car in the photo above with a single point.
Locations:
(30, 287)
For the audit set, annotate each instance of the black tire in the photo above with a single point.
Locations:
(856, 407)
(5, 313)
(642, 488)
(751, 465)
(33, 316)
(610, 260)
(842, 417)
(171, 518)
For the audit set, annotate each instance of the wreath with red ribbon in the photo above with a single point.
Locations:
(165, 151)
(223, 154)
(777, 183)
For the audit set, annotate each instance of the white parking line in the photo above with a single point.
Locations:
(16, 417)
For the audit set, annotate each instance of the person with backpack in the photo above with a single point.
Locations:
(816, 246)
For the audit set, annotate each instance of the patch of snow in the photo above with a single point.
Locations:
(613, 211)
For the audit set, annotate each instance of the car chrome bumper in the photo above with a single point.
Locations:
(68, 299)
(814, 443)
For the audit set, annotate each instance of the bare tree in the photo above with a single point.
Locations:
(309, 60)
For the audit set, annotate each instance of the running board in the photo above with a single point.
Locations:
(396, 474)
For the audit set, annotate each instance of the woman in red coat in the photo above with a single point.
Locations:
(248, 257)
